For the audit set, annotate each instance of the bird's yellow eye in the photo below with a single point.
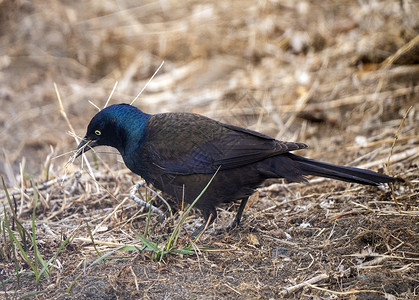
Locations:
(97, 132)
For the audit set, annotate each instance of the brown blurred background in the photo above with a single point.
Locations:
(281, 67)
(337, 75)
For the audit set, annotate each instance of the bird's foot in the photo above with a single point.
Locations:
(235, 225)
(198, 231)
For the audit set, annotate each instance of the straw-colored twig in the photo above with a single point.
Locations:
(294, 288)
(381, 142)
(110, 95)
(40, 187)
(351, 292)
(63, 113)
(391, 152)
(109, 215)
(396, 136)
(406, 48)
(148, 82)
(300, 105)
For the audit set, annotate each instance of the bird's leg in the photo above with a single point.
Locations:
(237, 218)
(197, 231)
(209, 216)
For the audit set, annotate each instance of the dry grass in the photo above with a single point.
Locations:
(337, 76)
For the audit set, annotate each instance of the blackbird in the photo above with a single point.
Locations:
(178, 153)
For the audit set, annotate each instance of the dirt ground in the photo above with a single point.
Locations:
(340, 76)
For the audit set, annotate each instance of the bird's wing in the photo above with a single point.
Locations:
(189, 144)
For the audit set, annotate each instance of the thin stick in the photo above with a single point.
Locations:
(296, 287)
(351, 292)
(151, 78)
(233, 289)
(110, 96)
(404, 49)
(63, 113)
(94, 105)
(380, 142)
(135, 278)
(396, 157)
(22, 168)
(109, 215)
(40, 187)
(396, 137)
(300, 105)
(350, 100)
(101, 242)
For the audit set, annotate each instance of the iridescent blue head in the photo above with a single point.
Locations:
(115, 126)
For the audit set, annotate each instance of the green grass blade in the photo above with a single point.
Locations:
(5, 248)
(183, 251)
(38, 257)
(21, 230)
(18, 274)
(32, 294)
(53, 259)
(176, 232)
(68, 290)
(150, 245)
(128, 248)
(93, 240)
(13, 237)
(104, 256)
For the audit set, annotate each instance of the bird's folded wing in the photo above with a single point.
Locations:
(205, 145)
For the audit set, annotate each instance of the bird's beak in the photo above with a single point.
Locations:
(85, 145)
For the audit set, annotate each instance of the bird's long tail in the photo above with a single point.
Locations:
(349, 174)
